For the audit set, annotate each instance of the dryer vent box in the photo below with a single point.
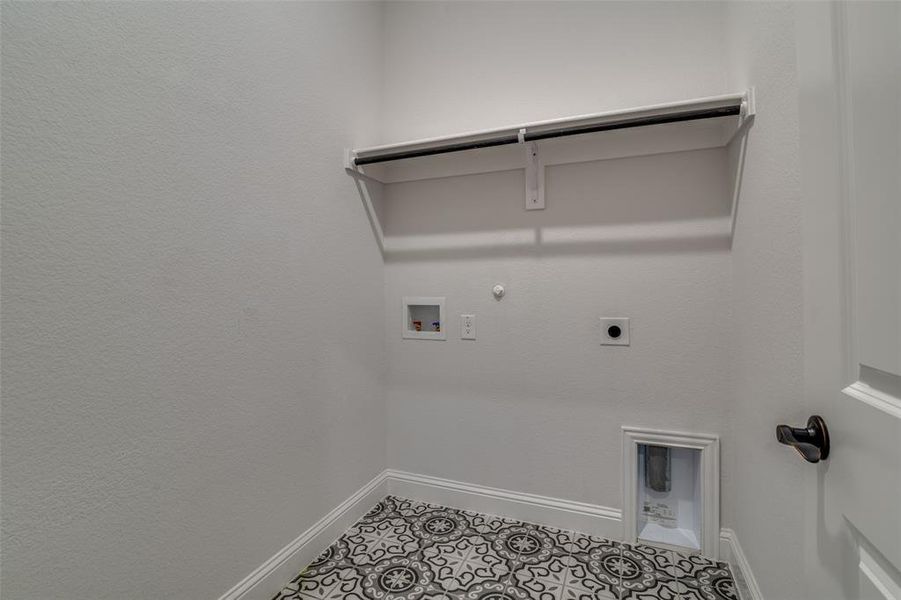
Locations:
(672, 497)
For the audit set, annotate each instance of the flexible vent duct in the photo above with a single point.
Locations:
(657, 468)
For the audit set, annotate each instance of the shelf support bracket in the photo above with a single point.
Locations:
(534, 174)
(370, 190)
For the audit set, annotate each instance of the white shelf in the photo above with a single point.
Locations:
(670, 127)
(687, 125)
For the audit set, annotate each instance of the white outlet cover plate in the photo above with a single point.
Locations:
(467, 333)
(609, 340)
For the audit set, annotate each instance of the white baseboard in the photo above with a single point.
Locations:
(543, 510)
(270, 577)
(593, 519)
(731, 552)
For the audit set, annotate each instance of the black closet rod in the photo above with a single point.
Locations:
(505, 139)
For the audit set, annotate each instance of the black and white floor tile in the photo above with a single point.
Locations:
(407, 550)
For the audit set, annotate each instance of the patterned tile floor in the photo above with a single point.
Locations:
(407, 550)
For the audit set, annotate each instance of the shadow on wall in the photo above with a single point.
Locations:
(674, 202)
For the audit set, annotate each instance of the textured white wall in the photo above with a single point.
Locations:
(536, 404)
(192, 298)
(766, 502)
(456, 66)
(194, 311)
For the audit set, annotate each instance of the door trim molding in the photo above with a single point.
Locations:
(877, 576)
(875, 398)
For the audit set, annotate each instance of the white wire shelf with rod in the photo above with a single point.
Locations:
(685, 125)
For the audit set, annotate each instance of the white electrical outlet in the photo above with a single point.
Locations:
(615, 331)
(467, 327)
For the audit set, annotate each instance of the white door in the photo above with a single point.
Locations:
(849, 65)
